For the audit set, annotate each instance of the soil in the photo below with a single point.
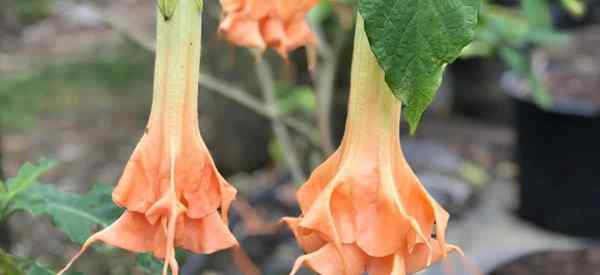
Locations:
(586, 261)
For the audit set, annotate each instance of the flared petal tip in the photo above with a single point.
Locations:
(366, 218)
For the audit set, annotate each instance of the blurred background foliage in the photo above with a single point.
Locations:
(24, 94)
(32, 11)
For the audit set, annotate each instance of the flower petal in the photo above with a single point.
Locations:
(334, 260)
(205, 235)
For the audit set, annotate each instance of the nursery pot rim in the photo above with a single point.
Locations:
(517, 88)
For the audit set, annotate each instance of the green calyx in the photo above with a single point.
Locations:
(167, 8)
(200, 4)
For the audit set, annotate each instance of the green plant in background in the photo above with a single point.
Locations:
(14, 188)
(291, 99)
(575, 7)
(12, 265)
(31, 11)
(74, 214)
(16, 14)
(24, 94)
(24, 192)
(513, 32)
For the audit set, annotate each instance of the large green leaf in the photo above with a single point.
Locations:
(74, 214)
(413, 40)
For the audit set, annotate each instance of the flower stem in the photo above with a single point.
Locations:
(372, 108)
(176, 71)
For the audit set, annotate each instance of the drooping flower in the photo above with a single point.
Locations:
(171, 190)
(277, 24)
(363, 209)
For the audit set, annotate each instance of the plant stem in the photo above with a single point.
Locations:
(373, 110)
(324, 91)
(175, 95)
(291, 159)
(324, 83)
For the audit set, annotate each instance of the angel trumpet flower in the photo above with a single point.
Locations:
(363, 209)
(278, 24)
(172, 193)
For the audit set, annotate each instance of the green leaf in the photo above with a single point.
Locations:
(499, 25)
(11, 265)
(548, 37)
(74, 214)
(538, 14)
(320, 12)
(479, 48)
(148, 263)
(575, 7)
(292, 99)
(27, 175)
(475, 174)
(37, 269)
(520, 64)
(414, 40)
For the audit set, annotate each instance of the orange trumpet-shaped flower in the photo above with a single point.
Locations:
(278, 24)
(171, 190)
(363, 209)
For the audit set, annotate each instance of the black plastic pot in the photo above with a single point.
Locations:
(558, 148)
(558, 155)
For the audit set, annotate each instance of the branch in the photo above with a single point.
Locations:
(266, 81)
(324, 85)
(242, 97)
